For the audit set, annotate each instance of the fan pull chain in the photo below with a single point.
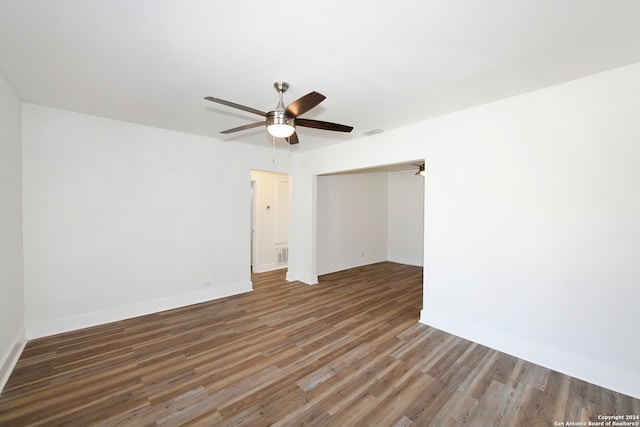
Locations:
(273, 160)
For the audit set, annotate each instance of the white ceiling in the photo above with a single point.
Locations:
(381, 64)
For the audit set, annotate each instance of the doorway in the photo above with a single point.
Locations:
(368, 216)
(270, 212)
(252, 225)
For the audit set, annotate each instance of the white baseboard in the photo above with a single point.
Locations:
(309, 279)
(418, 262)
(345, 265)
(11, 356)
(57, 326)
(268, 267)
(312, 279)
(575, 366)
(291, 276)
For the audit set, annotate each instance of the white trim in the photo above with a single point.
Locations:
(345, 265)
(417, 262)
(263, 268)
(587, 370)
(291, 276)
(309, 279)
(57, 326)
(11, 356)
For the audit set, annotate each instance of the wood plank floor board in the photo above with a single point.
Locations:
(491, 407)
(403, 398)
(346, 352)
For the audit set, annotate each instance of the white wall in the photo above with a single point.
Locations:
(271, 217)
(366, 217)
(12, 334)
(406, 218)
(531, 231)
(352, 220)
(122, 219)
(532, 238)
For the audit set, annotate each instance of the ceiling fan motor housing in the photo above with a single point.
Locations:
(279, 124)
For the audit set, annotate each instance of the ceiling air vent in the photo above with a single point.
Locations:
(372, 132)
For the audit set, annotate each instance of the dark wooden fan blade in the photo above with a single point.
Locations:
(317, 124)
(293, 139)
(234, 105)
(245, 127)
(304, 104)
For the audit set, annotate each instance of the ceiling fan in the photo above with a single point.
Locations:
(282, 122)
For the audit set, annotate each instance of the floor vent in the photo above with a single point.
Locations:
(282, 252)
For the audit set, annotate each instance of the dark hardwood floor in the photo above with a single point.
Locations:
(346, 352)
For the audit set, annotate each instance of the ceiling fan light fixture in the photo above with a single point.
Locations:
(281, 131)
(282, 121)
(279, 125)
